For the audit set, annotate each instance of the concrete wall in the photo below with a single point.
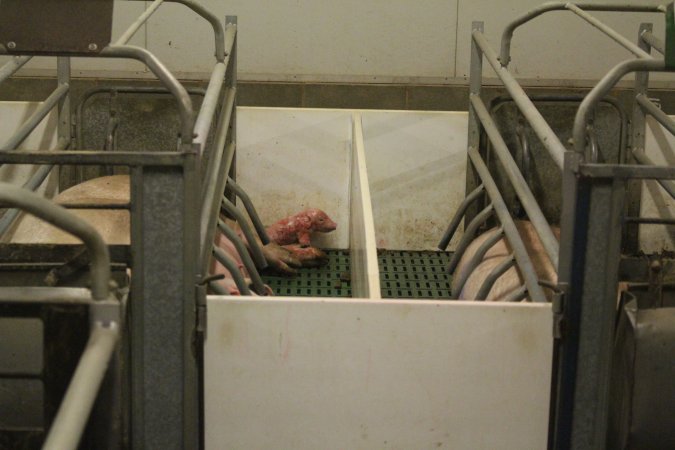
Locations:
(373, 41)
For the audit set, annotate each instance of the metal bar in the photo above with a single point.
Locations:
(518, 295)
(618, 38)
(256, 250)
(649, 220)
(40, 113)
(217, 288)
(96, 205)
(457, 218)
(469, 234)
(218, 29)
(225, 260)
(519, 184)
(507, 34)
(165, 76)
(627, 171)
(133, 28)
(649, 107)
(602, 89)
(250, 209)
(476, 259)
(667, 185)
(208, 108)
(93, 157)
(50, 295)
(653, 41)
(475, 132)
(67, 221)
(539, 125)
(520, 252)
(492, 277)
(73, 414)
(258, 285)
(32, 184)
(12, 66)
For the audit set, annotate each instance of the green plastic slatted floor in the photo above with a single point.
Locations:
(403, 274)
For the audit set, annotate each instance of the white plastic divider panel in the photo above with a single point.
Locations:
(13, 115)
(291, 159)
(365, 279)
(340, 374)
(417, 172)
(660, 148)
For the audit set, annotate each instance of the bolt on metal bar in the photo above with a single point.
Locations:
(133, 28)
(46, 295)
(520, 252)
(165, 76)
(667, 185)
(653, 41)
(62, 218)
(618, 38)
(475, 260)
(256, 250)
(590, 102)
(492, 277)
(469, 235)
(457, 218)
(649, 107)
(224, 259)
(12, 66)
(250, 209)
(539, 125)
(34, 120)
(258, 285)
(518, 182)
(73, 414)
(507, 34)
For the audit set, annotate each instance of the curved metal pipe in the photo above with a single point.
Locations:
(457, 218)
(60, 217)
(590, 102)
(224, 259)
(218, 29)
(256, 250)
(166, 77)
(469, 235)
(476, 259)
(492, 277)
(258, 285)
(593, 144)
(516, 295)
(250, 209)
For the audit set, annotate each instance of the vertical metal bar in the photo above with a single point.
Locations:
(638, 129)
(592, 211)
(475, 128)
(164, 258)
(231, 81)
(64, 130)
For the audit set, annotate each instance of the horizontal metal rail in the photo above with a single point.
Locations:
(590, 102)
(73, 414)
(627, 171)
(11, 66)
(92, 158)
(529, 203)
(46, 295)
(459, 215)
(34, 120)
(507, 34)
(134, 27)
(649, 220)
(62, 218)
(520, 252)
(653, 41)
(165, 76)
(667, 185)
(539, 125)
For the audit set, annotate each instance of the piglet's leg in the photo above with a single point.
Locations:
(303, 238)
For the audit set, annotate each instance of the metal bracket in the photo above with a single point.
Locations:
(106, 312)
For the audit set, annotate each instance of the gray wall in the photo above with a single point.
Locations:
(372, 41)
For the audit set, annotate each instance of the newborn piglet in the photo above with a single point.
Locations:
(308, 256)
(298, 228)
